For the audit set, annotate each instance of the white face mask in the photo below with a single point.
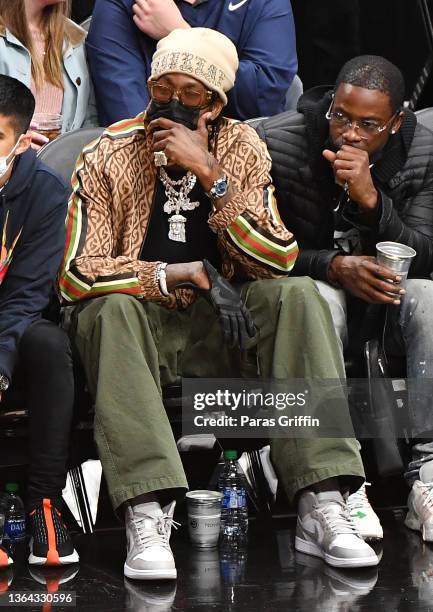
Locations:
(4, 165)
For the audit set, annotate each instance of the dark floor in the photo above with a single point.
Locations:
(270, 577)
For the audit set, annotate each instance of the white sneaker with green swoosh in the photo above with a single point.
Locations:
(420, 503)
(364, 517)
(325, 529)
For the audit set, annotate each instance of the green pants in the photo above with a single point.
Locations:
(130, 349)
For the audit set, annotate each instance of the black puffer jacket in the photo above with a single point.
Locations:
(304, 187)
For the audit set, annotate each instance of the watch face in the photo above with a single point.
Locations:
(221, 188)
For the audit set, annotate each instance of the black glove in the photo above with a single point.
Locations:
(235, 319)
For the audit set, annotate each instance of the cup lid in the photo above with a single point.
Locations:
(204, 495)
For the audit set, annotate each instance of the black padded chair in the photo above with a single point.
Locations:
(62, 153)
(425, 117)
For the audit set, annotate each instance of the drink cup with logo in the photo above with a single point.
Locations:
(204, 516)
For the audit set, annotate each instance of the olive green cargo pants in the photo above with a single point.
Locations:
(130, 349)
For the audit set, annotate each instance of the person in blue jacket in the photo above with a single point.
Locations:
(35, 354)
(123, 36)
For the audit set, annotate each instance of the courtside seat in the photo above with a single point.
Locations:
(62, 153)
(425, 117)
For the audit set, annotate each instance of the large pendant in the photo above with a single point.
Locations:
(181, 204)
(176, 230)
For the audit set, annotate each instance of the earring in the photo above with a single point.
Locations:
(392, 131)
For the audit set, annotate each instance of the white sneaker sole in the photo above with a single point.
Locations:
(68, 560)
(154, 574)
(309, 548)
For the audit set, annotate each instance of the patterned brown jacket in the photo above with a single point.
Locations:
(110, 207)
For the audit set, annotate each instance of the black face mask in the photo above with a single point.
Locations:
(175, 111)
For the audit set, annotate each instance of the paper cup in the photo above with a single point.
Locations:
(204, 517)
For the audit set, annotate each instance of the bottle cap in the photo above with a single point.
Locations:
(230, 454)
(12, 487)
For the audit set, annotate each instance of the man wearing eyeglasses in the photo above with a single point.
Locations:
(169, 209)
(360, 171)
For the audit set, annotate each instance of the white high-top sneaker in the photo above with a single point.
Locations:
(364, 517)
(325, 530)
(148, 529)
(420, 503)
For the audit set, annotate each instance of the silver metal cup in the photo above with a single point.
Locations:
(395, 256)
(204, 517)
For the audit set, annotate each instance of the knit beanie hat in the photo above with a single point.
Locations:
(207, 55)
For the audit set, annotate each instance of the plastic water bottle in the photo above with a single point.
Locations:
(234, 509)
(233, 557)
(15, 516)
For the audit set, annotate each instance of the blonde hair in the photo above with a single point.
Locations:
(55, 28)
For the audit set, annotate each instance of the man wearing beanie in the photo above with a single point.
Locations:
(124, 33)
(168, 208)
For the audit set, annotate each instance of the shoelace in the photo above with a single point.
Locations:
(358, 499)
(160, 534)
(338, 523)
(428, 501)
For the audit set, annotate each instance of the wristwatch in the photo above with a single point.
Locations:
(4, 383)
(219, 188)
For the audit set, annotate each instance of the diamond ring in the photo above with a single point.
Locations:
(160, 158)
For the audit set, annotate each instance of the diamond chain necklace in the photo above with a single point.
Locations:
(177, 201)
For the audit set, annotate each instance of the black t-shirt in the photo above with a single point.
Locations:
(201, 241)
